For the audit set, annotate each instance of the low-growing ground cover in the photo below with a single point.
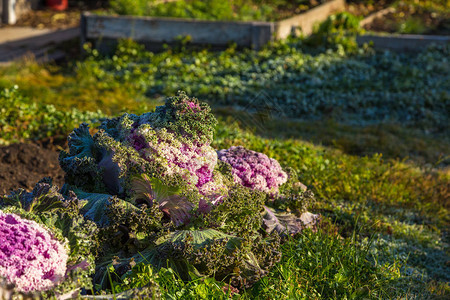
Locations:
(375, 97)
(384, 221)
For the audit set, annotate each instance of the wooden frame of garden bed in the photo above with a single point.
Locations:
(158, 30)
(398, 42)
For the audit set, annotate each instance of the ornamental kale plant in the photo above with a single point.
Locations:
(150, 190)
(30, 257)
(254, 170)
(47, 248)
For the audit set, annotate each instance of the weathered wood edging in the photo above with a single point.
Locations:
(402, 42)
(216, 33)
(397, 42)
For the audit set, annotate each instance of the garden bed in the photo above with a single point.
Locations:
(158, 30)
(406, 19)
(215, 10)
(407, 26)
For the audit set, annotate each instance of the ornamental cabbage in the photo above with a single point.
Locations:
(160, 194)
(253, 169)
(30, 257)
(47, 248)
(171, 144)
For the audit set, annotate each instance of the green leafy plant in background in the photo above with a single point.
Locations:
(337, 30)
(241, 10)
(131, 7)
(306, 86)
(411, 26)
(22, 119)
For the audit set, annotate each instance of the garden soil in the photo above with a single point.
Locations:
(23, 165)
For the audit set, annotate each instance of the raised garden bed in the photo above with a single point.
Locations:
(407, 26)
(159, 30)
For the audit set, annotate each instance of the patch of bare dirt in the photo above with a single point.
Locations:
(23, 165)
(50, 19)
(406, 20)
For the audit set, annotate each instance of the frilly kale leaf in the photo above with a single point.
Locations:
(208, 252)
(288, 213)
(239, 213)
(119, 162)
(185, 116)
(80, 163)
(44, 197)
(95, 207)
(120, 127)
(294, 195)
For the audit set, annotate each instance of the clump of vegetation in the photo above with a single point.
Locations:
(48, 248)
(285, 80)
(154, 188)
(337, 30)
(243, 10)
(22, 119)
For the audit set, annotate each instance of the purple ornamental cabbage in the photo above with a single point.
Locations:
(253, 169)
(179, 156)
(30, 257)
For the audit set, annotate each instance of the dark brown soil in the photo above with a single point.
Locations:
(23, 165)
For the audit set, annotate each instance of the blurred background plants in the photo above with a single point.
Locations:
(23, 120)
(243, 10)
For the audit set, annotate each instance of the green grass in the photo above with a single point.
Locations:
(385, 219)
(316, 265)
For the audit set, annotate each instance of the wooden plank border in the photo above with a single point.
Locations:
(167, 30)
(402, 42)
(216, 33)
